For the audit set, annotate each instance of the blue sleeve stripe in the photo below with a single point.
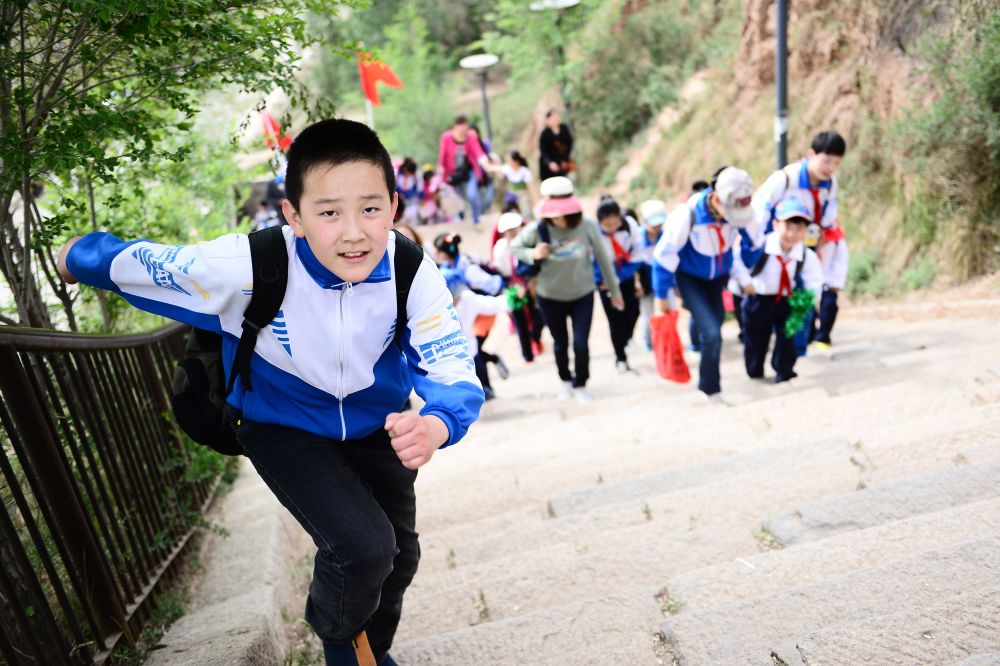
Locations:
(89, 260)
(208, 322)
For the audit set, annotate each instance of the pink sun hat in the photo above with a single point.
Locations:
(557, 198)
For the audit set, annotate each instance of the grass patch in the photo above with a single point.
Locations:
(668, 605)
(766, 540)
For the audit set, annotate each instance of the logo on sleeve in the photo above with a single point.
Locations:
(156, 266)
(452, 345)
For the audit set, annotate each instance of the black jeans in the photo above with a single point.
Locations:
(581, 312)
(823, 323)
(762, 316)
(528, 323)
(356, 501)
(480, 360)
(621, 322)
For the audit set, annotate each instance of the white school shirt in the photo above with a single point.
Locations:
(768, 281)
(792, 182)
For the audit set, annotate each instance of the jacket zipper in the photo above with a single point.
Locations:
(343, 369)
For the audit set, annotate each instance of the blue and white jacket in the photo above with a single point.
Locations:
(328, 363)
(793, 182)
(629, 237)
(702, 249)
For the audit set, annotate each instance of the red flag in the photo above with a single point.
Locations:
(372, 72)
(272, 132)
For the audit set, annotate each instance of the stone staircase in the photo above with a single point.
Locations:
(849, 516)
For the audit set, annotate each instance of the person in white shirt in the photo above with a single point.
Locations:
(785, 264)
(527, 318)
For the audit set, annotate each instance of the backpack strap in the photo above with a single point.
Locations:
(405, 265)
(543, 232)
(759, 266)
(269, 258)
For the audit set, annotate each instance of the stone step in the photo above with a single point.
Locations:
(746, 632)
(640, 648)
(814, 561)
(960, 627)
(540, 637)
(535, 583)
(453, 498)
(436, 545)
(638, 488)
(886, 503)
(984, 659)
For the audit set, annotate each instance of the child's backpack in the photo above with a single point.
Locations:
(526, 270)
(199, 390)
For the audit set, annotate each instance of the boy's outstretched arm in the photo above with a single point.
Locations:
(64, 273)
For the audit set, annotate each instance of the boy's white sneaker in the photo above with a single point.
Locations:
(621, 367)
(716, 400)
(566, 391)
(583, 396)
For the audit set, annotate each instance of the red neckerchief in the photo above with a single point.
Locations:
(817, 207)
(785, 286)
(717, 228)
(621, 256)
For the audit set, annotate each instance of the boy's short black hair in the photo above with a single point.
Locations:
(829, 143)
(699, 186)
(797, 220)
(334, 142)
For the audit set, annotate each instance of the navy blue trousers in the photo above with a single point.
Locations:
(703, 298)
(581, 313)
(762, 317)
(828, 309)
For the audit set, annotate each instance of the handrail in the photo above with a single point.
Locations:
(99, 490)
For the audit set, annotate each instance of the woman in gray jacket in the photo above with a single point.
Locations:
(563, 245)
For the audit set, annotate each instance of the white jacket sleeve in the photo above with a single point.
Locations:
(767, 197)
(439, 355)
(836, 269)
(812, 273)
(676, 231)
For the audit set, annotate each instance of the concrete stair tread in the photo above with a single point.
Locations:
(571, 575)
(886, 503)
(814, 561)
(937, 633)
(540, 636)
(747, 631)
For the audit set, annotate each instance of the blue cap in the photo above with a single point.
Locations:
(789, 208)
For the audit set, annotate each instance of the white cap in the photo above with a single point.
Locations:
(735, 189)
(509, 221)
(557, 186)
(653, 212)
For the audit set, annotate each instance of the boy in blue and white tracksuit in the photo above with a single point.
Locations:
(784, 264)
(322, 424)
(813, 182)
(695, 254)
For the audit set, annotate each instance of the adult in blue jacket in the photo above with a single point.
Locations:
(695, 255)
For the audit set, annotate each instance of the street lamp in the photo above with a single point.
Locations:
(558, 6)
(479, 63)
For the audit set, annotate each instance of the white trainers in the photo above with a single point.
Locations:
(566, 391)
(583, 396)
(716, 400)
(621, 367)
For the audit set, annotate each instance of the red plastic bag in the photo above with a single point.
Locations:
(727, 300)
(668, 348)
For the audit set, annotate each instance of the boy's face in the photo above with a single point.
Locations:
(790, 233)
(345, 213)
(823, 166)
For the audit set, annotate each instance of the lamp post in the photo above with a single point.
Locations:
(781, 83)
(479, 63)
(558, 6)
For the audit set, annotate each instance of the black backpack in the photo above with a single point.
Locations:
(199, 389)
